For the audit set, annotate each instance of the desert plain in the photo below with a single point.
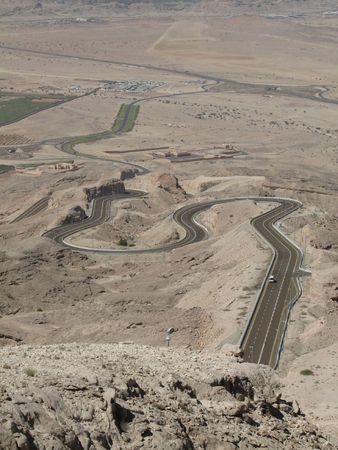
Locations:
(236, 100)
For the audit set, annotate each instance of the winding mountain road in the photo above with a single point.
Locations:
(262, 338)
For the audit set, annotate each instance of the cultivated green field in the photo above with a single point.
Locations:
(124, 122)
(14, 107)
(4, 168)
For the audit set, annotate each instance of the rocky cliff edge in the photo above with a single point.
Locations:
(123, 396)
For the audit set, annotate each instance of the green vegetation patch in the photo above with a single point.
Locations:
(14, 107)
(124, 122)
(306, 372)
(126, 118)
(30, 372)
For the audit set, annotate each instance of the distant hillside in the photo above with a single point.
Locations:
(18, 7)
(112, 7)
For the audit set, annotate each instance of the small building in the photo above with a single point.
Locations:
(179, 154)
(165, 154)
(64, 167)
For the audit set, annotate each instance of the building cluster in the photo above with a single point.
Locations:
(226, 151)
(63, 166)
(171, 154)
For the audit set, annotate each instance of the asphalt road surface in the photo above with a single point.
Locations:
(263, 336)
(60, 143)
(100, 214)
(40, 205)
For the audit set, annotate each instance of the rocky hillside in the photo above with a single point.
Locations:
(128, 397)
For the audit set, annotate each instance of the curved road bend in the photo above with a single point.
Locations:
(141, 170)
(100, 214)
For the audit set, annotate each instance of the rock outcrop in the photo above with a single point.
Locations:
(109, 188)
(169, 183)
(127, 397)
(76, 214)
(334, 295)
(127, 174)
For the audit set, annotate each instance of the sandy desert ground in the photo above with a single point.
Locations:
(277, 117)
